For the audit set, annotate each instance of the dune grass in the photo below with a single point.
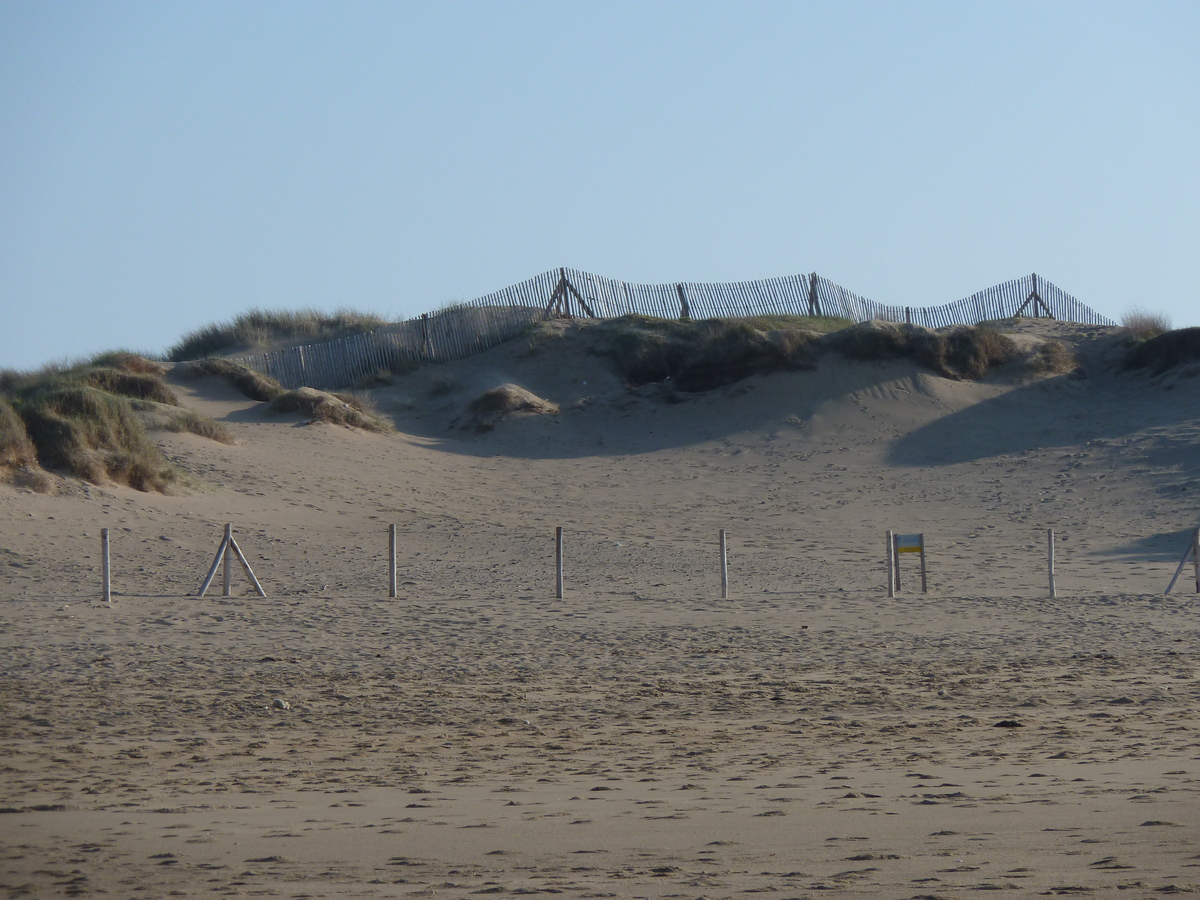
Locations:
(16, 449)
(963, 352)
(1053, 358)
(254, 385)
(1165, 351)
(1141, 324)
(88, 419)
(349, 410)
(94, 435)
(263, 327)
(493, 405)
(701, 355)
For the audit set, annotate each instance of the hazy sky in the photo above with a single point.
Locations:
(166, 165)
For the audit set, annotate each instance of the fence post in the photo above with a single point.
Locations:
(724, 567)
(684, 312)
(558, 561)
(814, 301)
(891, 563)
(1196, 556)
(1050, 554)
(392, 564)
(107, 568)
(227, 563)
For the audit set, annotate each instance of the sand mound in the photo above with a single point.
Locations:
(334, 409)
(493, 405)
(1168, 350)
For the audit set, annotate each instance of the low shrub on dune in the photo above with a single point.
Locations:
(1166, 351)
(1141, 324)
(90, 419)
(335, 409)
(700, 355)
(253, 384)
(493, 405)
(16, 449)
(1053, 358)
(963, 352)
(262, 327)
(95, 436)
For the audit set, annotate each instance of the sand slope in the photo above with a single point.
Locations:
(640, 737)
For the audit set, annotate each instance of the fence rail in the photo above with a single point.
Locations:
(469, 328)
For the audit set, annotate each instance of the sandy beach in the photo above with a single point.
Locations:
(641, 737)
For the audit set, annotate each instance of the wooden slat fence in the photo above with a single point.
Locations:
(466, 329)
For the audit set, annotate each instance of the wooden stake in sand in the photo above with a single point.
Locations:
(558, 561)
(724, 567)
(226, 552)
(891, 563)
(392, 563)
(1050, 556)
(1191, 555)
(908, 543)
(107, 567)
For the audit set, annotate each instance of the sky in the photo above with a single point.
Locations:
(167, 165)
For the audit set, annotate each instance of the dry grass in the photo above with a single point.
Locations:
(701, 355)
(95, 436)
(1053, 358)
(1166, 351)
(254, 385)
(262, 327)
(87, 419)
(347, 410)
(963, 352)
(129, 362)
(493, 405)
(16, 449)
(1141, 324)
(136, 385)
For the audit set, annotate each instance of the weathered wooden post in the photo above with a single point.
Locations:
(392, 561)
(891, 563)
(227, 563)
(106, 566)
(685, 312)
(1050, 555)
(225, 554)
(724, 567)
(1192, 553)
(558, 561)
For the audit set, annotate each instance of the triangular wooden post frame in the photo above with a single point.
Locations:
(1040, 308)
(226, 551)
(560, 299)
(1192, 555)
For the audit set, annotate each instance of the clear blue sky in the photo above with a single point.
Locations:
(165, 165)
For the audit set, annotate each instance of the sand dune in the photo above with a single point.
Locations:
(641, 737)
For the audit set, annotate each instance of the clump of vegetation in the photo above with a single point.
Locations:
(963, 352)
(1141, 324)
(92, 434)
(16, 449)
(701, 355)
(137, 385)
(1052, 358)
(335, 409)
(129, 362)
(89, 419)
(262, 327)
(254, 385)
(1166, 351)
(493, 405)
